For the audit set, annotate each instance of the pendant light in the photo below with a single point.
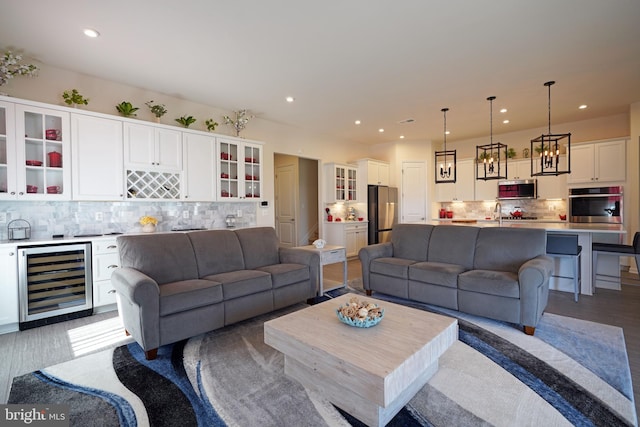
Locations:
(446, 159)
(489, 157)
(548, 145)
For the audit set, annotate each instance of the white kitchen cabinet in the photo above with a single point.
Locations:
(199, 158)
(8, 165)
(486, 190)
(462, 189)
(152, 147)
(519, 169)
(8, 288)
(97, 162)
(341, 183)
(239, 169)
(153, 162)
(598, 162)
(105, 259)
(376, 172)
(351, 235)
(36, 164)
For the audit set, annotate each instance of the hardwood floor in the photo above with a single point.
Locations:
(26, 351)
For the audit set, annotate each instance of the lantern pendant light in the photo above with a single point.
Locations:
(446, 159)
(491, 158)
(548, 146)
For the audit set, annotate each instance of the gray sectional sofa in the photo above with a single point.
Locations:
(172, 286)
(496, 272)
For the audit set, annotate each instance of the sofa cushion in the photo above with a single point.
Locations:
(216, 251)
(411, 241)
(259, 246)
(165, 257)
(506, 249)
(286, 274)
(436, 273)
(242, 282)
(188, 294)
(499, 283)
(453, 244)
(394, 267)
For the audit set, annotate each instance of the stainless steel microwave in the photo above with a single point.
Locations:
(518, 189)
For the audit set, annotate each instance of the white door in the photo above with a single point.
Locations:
(414, 192)
(286, 202)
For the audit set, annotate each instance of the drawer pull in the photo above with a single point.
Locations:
(112, 291)
(112, 266)
(112, 247)
(334, 252)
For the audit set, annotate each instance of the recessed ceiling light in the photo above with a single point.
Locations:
(401, 136)
(357, 122)
(290, 98)
(505, 121)
(448, 132)
(504, 110)
(583, 107)
(90, 32)
(380, 130)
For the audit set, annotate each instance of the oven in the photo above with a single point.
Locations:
(596, 204)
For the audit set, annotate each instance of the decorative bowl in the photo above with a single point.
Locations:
(367, 323)
(34, 163)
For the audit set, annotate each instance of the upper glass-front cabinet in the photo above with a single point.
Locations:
(341, 184)
(240, 169)
(35, 153)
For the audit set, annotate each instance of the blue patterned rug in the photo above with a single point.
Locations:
(571, 373)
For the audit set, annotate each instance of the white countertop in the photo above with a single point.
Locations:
(549, 226)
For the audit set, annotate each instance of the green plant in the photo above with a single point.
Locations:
(158, 110)
(484, 156)
(126, 109)
(211, 124)
(510, 153)
(186, 121)
(73, 97)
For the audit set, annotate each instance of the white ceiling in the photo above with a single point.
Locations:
(377, 61)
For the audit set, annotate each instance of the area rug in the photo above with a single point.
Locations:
(571, 372)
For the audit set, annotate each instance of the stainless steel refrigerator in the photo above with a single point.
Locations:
(382, 211)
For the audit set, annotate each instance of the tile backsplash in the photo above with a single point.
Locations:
(541, 209)
(72, 218)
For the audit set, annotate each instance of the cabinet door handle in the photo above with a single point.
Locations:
(112, 291)
(112, 247)
(113, 266)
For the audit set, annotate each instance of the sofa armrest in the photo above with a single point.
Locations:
(533, 277)
(138, 305)
(368, 254)
(301, 256)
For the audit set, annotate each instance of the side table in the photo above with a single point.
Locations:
(330, 254)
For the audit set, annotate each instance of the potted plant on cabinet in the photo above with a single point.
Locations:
(73, 97)
(10, 67)
(186, 121)
(158, 110)
(211, 124)
(127, 109)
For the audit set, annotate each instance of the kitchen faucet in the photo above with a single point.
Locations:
(498, 209)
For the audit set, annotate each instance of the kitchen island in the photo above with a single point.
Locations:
(608, 267)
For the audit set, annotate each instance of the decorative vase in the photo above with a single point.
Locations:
(149, 228)
(157, 119)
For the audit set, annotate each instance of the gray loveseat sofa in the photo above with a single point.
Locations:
(172, 286)
(496, 272)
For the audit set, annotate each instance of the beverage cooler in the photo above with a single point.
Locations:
(54, 283)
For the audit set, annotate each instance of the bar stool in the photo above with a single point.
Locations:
(615, 249)
(566, 246)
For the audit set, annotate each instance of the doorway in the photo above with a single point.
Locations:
(296, 199)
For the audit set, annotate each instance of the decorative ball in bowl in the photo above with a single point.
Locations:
(360, 314)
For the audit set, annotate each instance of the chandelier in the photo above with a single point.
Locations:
(446, 159)
(548, 145)
(489, 165)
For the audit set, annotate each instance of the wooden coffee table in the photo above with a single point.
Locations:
(370, 373)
